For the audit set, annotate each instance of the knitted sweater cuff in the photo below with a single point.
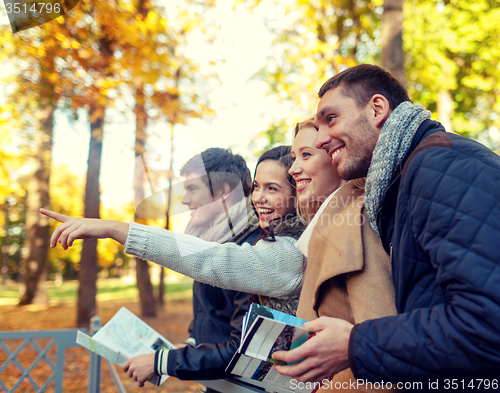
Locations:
(161, 361)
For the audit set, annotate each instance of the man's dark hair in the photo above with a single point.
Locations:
(363, 81)
(221, 165)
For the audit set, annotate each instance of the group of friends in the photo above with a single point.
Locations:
(376, 225)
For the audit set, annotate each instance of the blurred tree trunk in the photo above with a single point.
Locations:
(5, 243)
(37, 226)
(393, 57)
(161, 290)
(146, 295)
(147, 300)
(87, 274)
(445, 109)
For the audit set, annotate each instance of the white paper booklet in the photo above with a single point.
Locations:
(123, 337)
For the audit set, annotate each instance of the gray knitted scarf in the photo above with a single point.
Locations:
(226, 225)
(392, 145)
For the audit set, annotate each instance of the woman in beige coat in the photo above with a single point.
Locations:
(348, 273)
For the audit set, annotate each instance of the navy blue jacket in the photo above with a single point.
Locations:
(440, 221)
(216, 327)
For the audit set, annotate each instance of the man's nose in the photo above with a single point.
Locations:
(322, 139)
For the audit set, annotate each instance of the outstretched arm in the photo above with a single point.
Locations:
(268, 268)
(73, 228)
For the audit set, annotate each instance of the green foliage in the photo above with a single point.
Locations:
(320, 38)
(12, 193)
(67, 198)
(316, 40)
(275, 135)
(450, 45)
(453, 45)
(13, 211)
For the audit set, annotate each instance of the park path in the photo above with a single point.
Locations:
(172, 322)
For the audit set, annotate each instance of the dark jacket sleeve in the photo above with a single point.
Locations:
(453, 223)
(207, 360)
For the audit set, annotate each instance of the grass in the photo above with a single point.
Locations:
(107, 289)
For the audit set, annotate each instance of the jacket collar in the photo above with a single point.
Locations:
(427, 128)
(385, 218)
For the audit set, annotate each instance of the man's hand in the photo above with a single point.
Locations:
(140, 368)
(73, 228)
(323, 355)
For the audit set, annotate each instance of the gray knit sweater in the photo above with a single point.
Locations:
(269, 268)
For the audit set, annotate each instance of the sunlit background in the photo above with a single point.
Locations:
(235, 74)
(239, 100)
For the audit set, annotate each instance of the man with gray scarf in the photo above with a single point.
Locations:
(433, 198)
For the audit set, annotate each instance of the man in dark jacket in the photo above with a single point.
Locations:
(217, 184)
(434, 199)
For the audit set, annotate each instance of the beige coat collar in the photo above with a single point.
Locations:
(348, 272)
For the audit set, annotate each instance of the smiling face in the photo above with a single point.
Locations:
(272, 195)
(347, 132)
(316, 178)
(204, 208)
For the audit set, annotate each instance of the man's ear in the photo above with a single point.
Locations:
(379, 110)
(226, 190)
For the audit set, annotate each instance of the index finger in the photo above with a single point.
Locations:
(56, 216)
(126, 365)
